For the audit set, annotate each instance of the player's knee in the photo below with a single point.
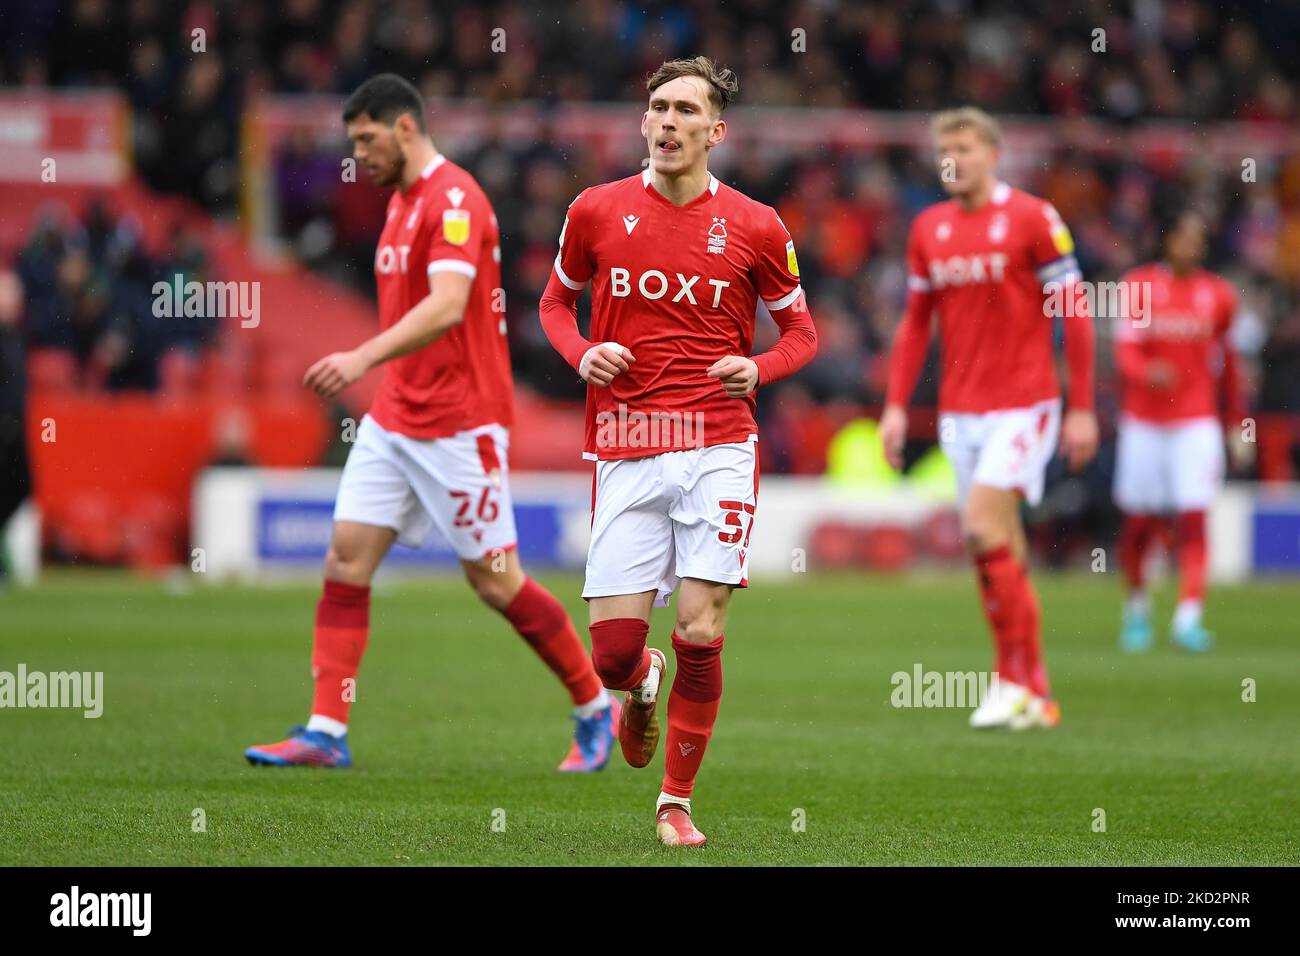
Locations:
(615, 662)
(495, 588)
(983, 534)
(342, 564)
(698, 628)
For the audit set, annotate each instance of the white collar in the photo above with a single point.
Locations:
(433, 164)
(647, 174)
(1001, 193)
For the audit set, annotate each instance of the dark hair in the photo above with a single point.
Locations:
(723, 85)
(384, 98)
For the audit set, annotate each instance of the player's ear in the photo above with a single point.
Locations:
(718, 134)
(645, 124)
(405, 127)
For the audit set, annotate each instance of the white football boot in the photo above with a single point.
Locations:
(1004, 702)
(1038, 711)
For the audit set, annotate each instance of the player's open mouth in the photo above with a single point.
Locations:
(669, 146)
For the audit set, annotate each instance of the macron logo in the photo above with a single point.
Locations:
(630, 222)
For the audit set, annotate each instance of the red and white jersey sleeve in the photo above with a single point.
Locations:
(1052, 248)
(573, 262)
(776, 274)
(462, 228)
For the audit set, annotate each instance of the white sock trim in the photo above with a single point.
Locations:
(1187, 614)
(593, 706)
(647, 692)
(684, 802)
(328, 725)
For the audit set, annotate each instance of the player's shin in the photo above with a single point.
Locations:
(1190, 538)
(1002, 593)
(1135, 539)
(692, 711)
(540, 619)
(1031, 630)
(342, 632)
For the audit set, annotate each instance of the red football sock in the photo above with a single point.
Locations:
(342, 631)
(619, 652)
(1191, 555)
(1031, 635)
(1136, 536)
(542, 621)
(1003, 588)
(692, 710)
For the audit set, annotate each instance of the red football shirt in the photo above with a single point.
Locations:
(443, 222)
(678, 286)
(1183, 320)
(984, 272)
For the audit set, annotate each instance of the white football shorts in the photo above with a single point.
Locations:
(678, 514)
(1008, 448)
(1168, 467)
(459, 484)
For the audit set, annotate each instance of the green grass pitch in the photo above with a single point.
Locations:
(457, 725)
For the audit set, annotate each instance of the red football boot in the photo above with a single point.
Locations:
(638, 726)
(674, 827)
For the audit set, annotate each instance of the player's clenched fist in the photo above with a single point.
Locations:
(604, 362)
(334, 373)
(738, 374)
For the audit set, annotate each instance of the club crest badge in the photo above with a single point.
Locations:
(718, 236)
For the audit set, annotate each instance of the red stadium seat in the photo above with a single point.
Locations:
(92, 529)
(886, 548)
(940, 535)
(179, 373)
(153, 533)
(52, 370)
(833, 545)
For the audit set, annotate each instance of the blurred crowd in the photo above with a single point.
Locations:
(85, 291)
(1194, 60)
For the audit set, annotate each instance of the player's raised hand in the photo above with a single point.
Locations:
(893, 434)
(604, 362)
(737, 373)
(1079, 437)
(334, 373)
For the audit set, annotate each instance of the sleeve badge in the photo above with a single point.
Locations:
(455, 226)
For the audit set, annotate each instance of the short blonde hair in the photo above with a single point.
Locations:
(967, 116)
